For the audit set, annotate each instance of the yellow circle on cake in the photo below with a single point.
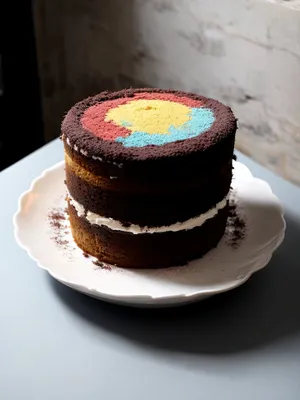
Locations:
(151, 116)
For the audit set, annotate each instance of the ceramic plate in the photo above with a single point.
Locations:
(240, 253)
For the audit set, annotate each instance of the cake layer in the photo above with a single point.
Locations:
(147, 250)
(171, 168)
(155, 205)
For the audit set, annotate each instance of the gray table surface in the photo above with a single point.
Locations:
(59, 344)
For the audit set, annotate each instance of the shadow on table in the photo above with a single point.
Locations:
(258, 313)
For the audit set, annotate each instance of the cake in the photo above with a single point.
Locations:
(148, 175)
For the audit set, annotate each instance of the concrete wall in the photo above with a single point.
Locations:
(245, 53)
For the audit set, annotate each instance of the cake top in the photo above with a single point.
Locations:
(146, 123)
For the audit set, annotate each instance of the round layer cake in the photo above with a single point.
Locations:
(148, 174)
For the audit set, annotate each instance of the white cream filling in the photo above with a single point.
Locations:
(115, 225)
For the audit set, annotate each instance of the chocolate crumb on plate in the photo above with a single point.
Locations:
(236, 227)
(59, 241)
(101, 265)
(57, 222)
(56, 217)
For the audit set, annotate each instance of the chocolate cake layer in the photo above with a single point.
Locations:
(176, 168)
(120, 183)
(152, 208)
(147, 250)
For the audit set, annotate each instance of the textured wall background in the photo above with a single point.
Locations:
(245, 53)
(293, 4)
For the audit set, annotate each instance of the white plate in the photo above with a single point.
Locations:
(222, 269)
